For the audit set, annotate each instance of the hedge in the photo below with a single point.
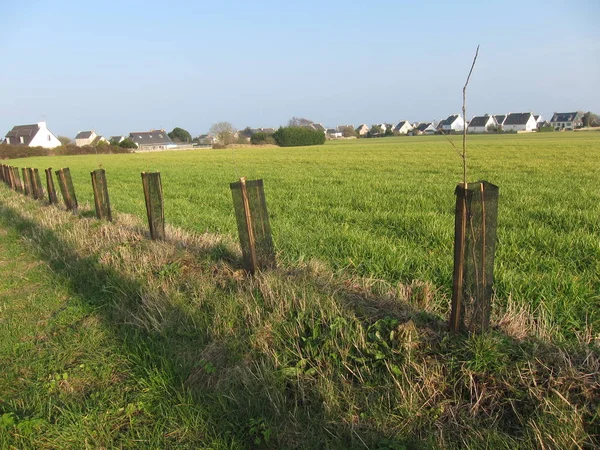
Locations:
(298, 136)
(8, 151)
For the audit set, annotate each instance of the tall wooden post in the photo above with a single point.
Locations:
(39, 189)
(26, 183)
(67, 189)
(154, 204)
(32, 185)
(254, 229)
(460, 227)
(18, 184)
(249, 226)
(101, 199)
(474, 251)
(52, 198)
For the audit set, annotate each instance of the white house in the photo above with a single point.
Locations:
(425, 128)
(403, 127)
(333, 133)
(567, 121)
(152, 140)
(454, 122)
(500, 118)
(362, 129)
(36, 135)
(524, 122)
(88, 138)
(481, 124)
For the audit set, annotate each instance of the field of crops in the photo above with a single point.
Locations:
(384, 207)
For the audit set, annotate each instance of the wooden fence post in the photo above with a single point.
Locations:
(67, 189)
(31, 180)
(26, 183)
(11, 178)
(39, 189)
(474, 250)
(101, 199)
(254, 229)
(17, 183)
(32, 186)
(52, 199)
(154, 204)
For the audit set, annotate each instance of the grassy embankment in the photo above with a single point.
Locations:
(111, 340)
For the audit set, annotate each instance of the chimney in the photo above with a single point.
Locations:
(42, 124)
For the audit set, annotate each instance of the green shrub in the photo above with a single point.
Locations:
(298, 136)
(546, 129)
(261, 138)
(127, 143)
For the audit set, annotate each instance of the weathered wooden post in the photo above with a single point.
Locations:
(252, 220)
(31, 179)
(2, 173)
(474, 249)
(26, 183)
(39, 189)
(52, 198)
(11, 177)
(67, 189)
(32, 187)
(154, 204)
(101, 199)
(17, 183)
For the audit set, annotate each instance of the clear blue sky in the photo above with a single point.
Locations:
(121, 66)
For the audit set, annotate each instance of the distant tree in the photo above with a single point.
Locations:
(591, 120)
(246, 132)
(64, 140)
(180, 135)
(224, 132)
(299, 122)
(127, 143)
(374, 131)
(348, 131)
(389, 130)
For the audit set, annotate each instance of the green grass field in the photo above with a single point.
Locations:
(110, 340)
(384, 208)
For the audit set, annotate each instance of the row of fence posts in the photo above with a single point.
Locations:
(474, 243)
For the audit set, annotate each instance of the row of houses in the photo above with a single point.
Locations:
(511, 122)
(144, 140)
(38, 135)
